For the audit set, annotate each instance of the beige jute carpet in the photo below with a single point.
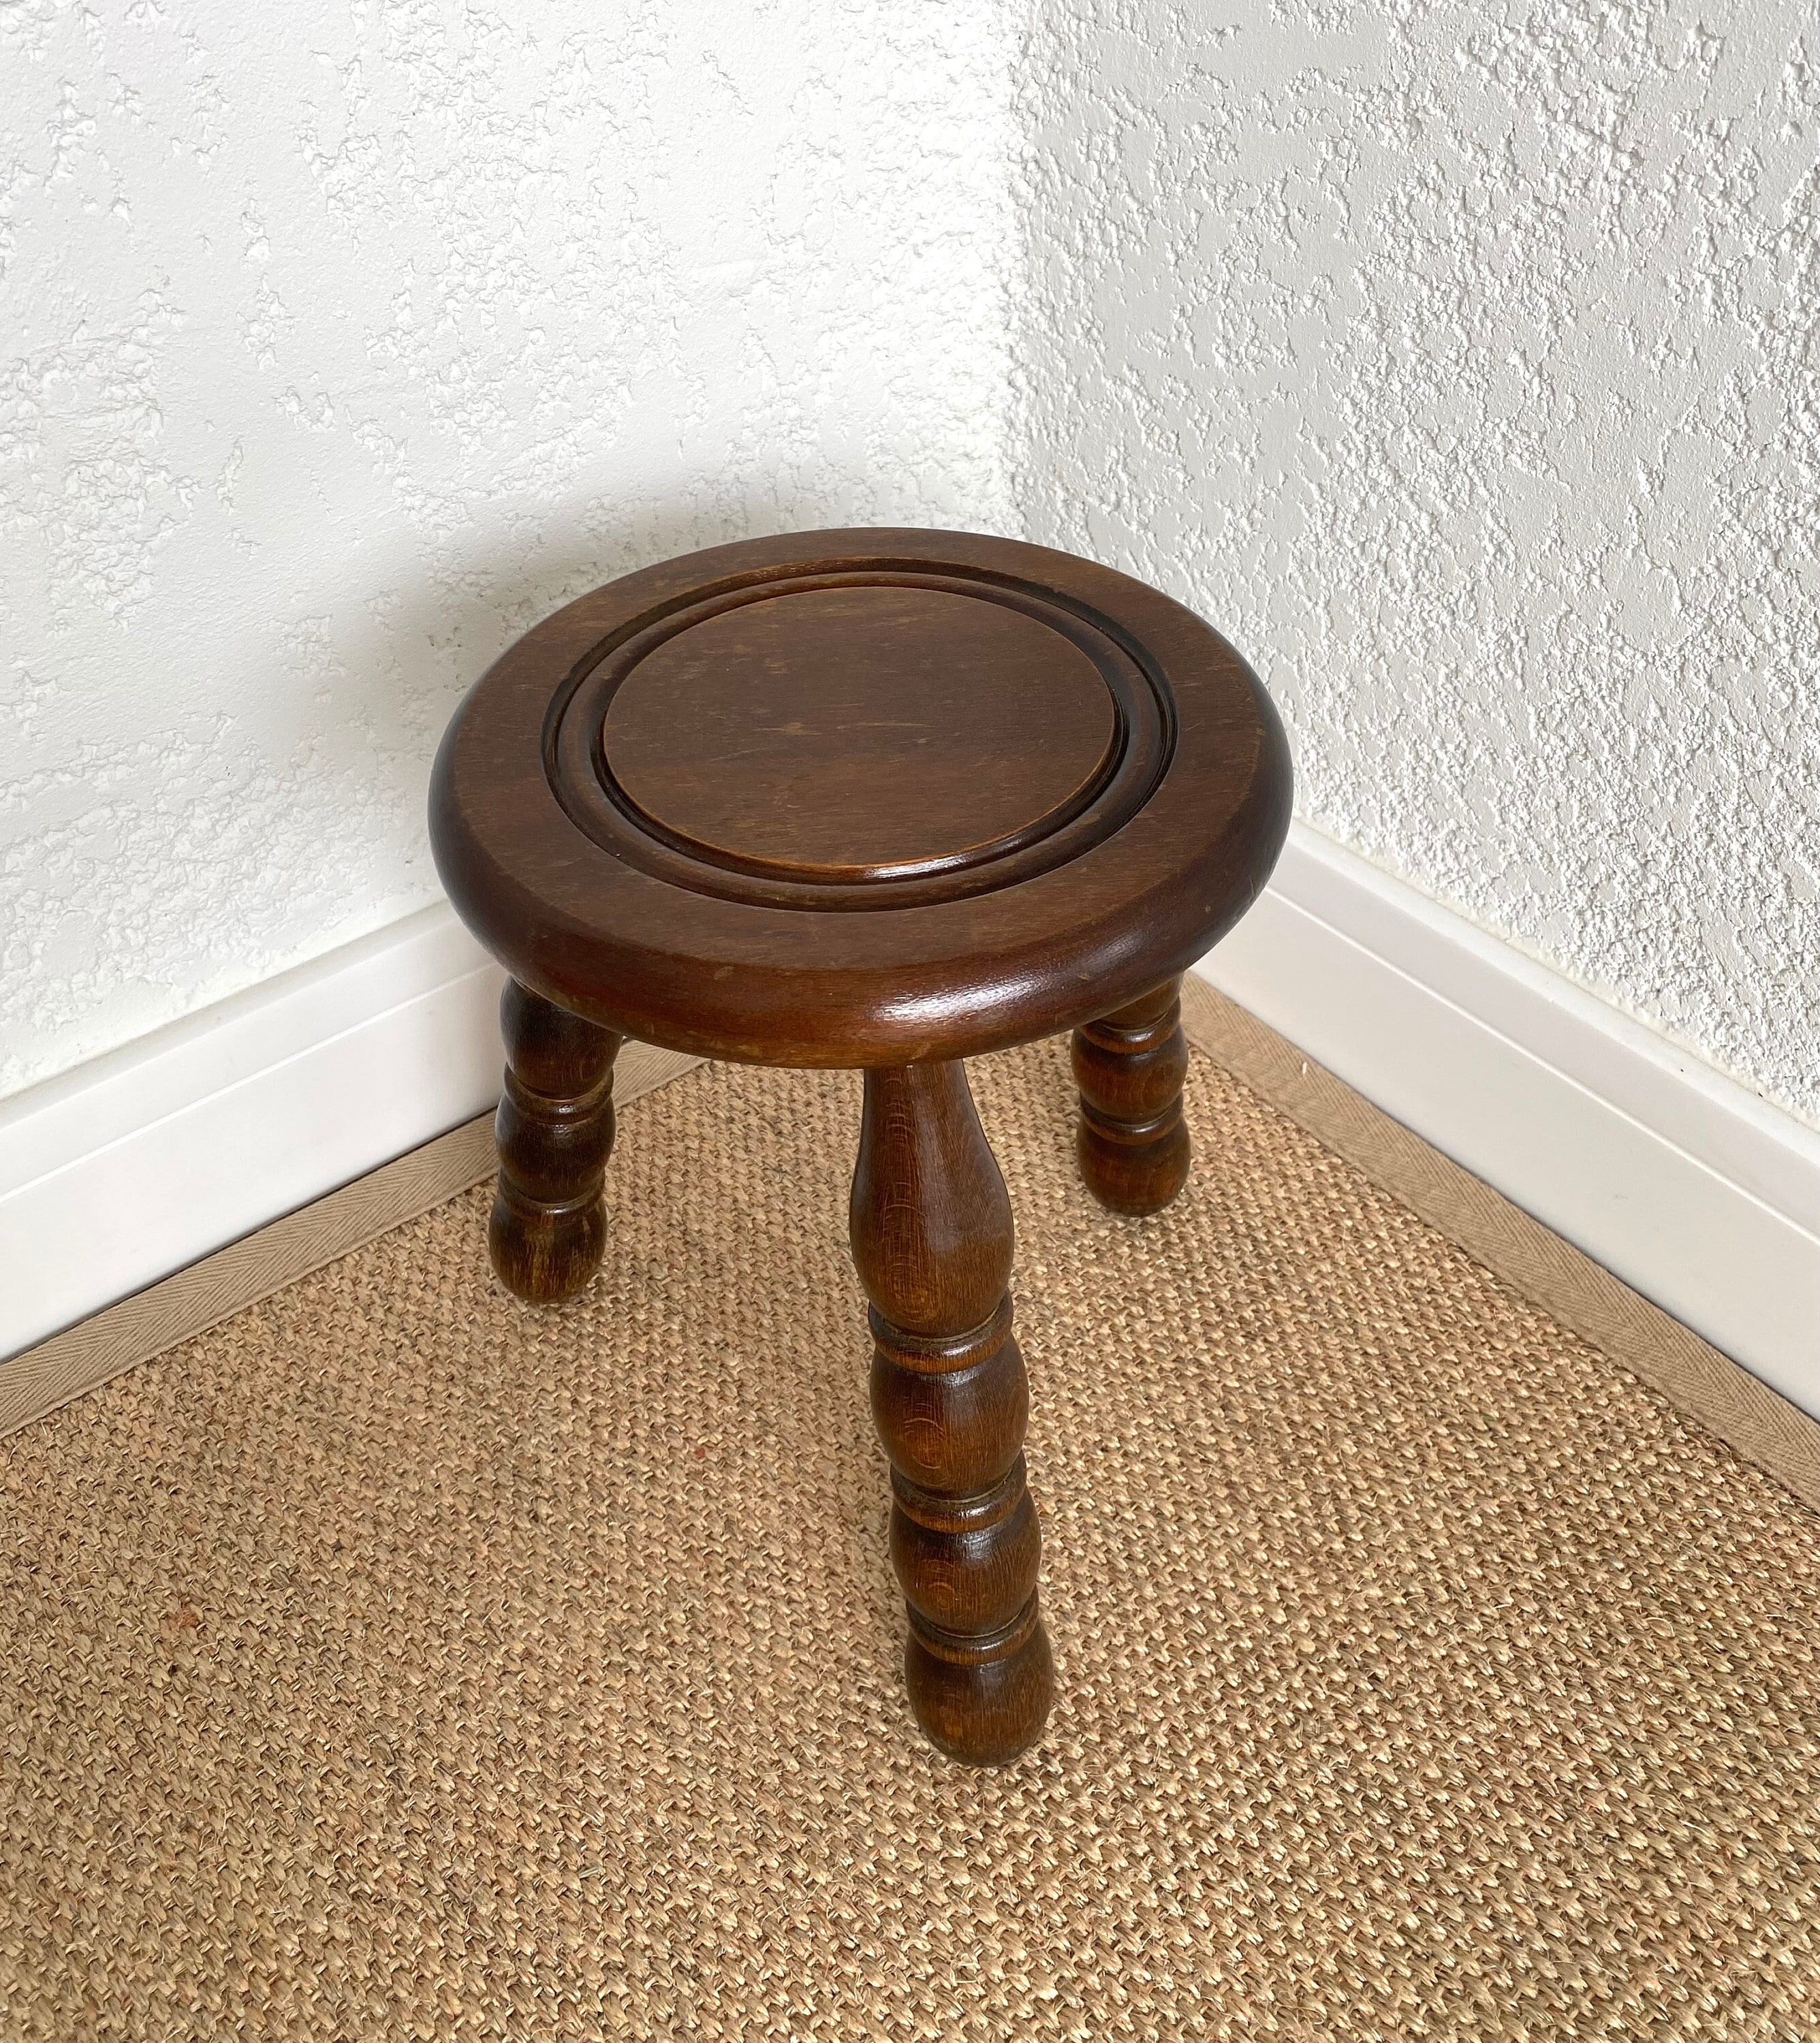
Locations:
(394, 1660)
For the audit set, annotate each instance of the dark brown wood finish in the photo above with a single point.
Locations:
(1005, 878)
(1130, 1066)
(961, 727)
(555, 1130)
(884, 799)
(931, 1229)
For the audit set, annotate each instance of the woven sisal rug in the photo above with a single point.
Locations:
(394, 1660)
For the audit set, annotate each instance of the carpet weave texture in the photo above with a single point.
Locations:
(397, 1660)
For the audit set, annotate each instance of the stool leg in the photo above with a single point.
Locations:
(555, 1130)
(932, 1241)
(1130, 1066)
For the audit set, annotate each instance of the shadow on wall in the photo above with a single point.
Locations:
(407, 657)
(297, 811)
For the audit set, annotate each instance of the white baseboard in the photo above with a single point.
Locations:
(127, 1168)
(1699, 1193)
(1694, 1190)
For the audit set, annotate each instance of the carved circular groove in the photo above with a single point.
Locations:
(874, 738)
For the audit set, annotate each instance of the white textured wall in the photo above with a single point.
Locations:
(1463, 362)
(344, 339)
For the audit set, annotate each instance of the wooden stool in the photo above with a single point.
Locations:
(885, 800)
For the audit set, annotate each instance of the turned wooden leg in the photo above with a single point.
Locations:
(932, 1241)
(555, 1130)
(1130, 1066)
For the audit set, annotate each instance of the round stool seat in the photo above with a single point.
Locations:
(859, 797)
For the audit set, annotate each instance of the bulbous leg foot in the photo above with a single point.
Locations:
(554, 1132)
(1132, 1141)
(982, 1701)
